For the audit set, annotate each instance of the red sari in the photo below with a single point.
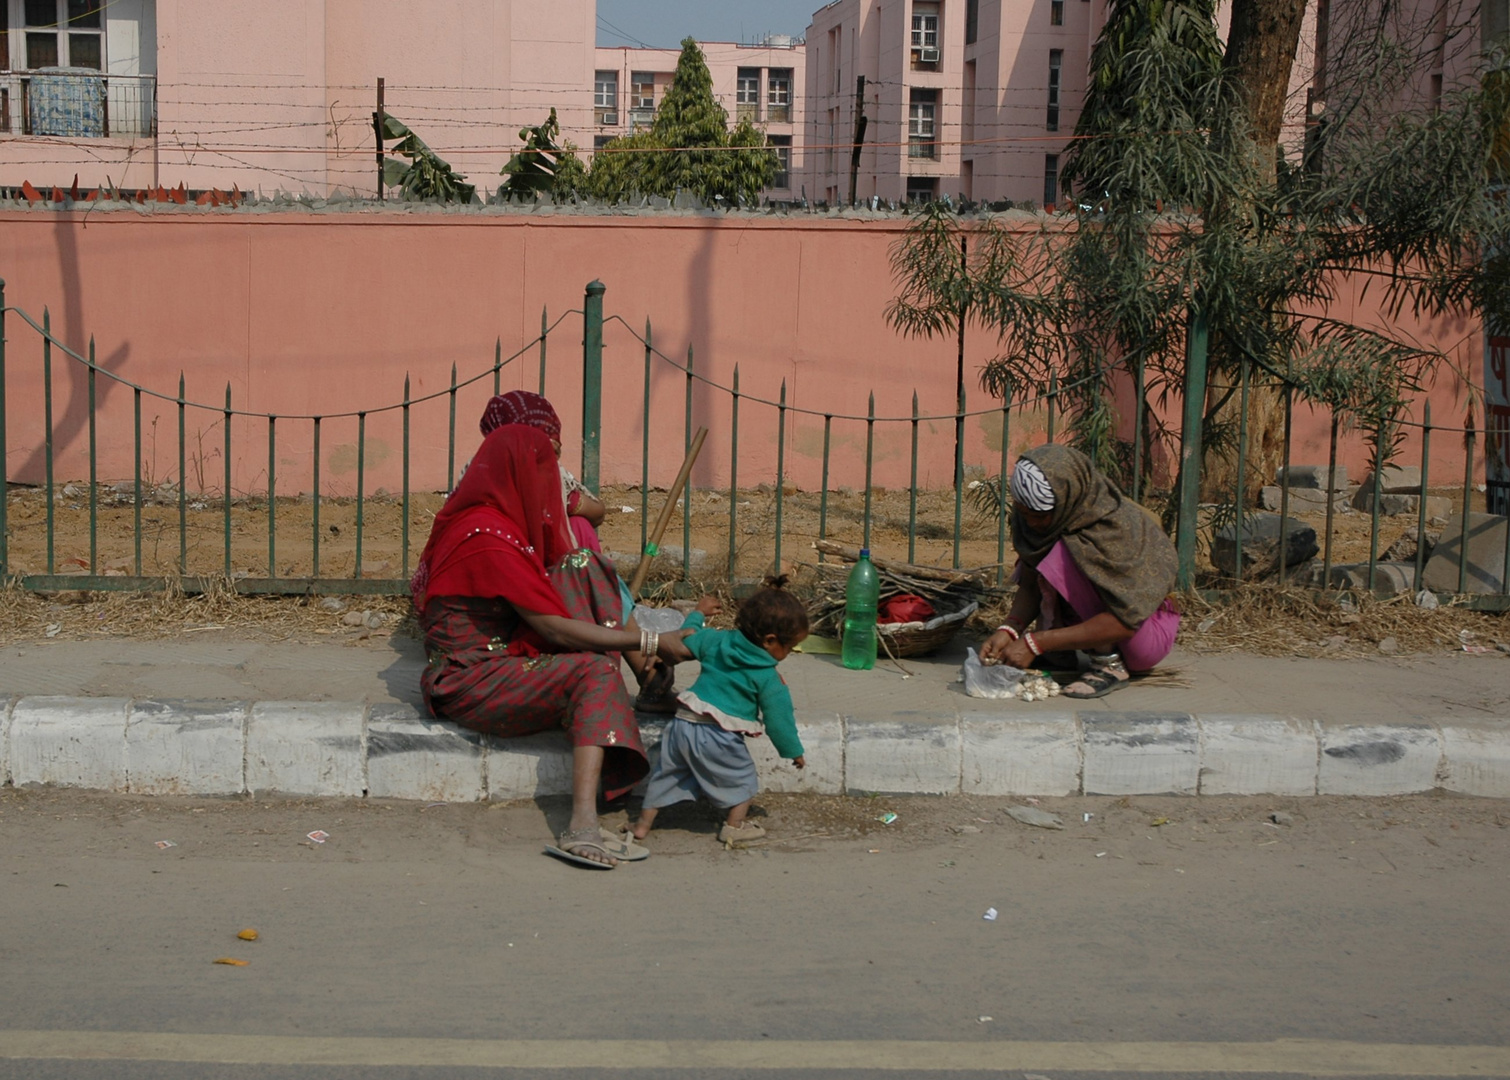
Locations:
(500, 542)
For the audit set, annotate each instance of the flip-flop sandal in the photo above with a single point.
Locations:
(623, 847)
(571, 842)
(1100, 683)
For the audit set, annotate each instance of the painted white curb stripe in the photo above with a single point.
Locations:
(346, 749)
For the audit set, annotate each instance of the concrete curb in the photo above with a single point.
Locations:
(391, 751)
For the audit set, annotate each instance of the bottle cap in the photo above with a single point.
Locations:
(865, 553)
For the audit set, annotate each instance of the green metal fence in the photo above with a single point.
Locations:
(164, 511)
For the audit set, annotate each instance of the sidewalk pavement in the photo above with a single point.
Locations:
(225, 716)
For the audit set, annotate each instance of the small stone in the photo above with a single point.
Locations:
(1279, 817)
(1336, 641)
(964, 828)
(1313, 476)
(374, 620)
(1427, 599)
(353, 618)
(1389, 646)
(333, 604)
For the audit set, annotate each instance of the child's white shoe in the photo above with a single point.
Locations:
(729, 835)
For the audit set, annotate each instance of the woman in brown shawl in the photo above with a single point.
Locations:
(1094, 572)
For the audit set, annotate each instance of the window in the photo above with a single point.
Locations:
(834, 58)
(1056, 12)
(922, 189)
(1050, 180)
(64, 33)
(782, 144)
(605, 97)
(972, 21)
(920, 124)
(600, 141)
(925, 25)
(828, 148)
(1056, 61)
(747, 95)
(779, 96)
(65, 81)
(642, 97)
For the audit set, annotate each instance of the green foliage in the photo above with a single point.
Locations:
(543, 166)
(425, 177)
(689, 147)
(625, 167)
(1177, 210)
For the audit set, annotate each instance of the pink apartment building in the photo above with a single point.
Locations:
(280, 94)
(962, 97)
(764, 83)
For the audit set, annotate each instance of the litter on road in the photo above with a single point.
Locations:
(1028, 815)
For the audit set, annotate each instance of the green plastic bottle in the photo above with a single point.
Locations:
(862, 594)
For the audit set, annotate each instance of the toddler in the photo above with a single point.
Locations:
(737, 695)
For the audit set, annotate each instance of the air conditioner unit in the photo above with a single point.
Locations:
(928, 54)
(610, 119)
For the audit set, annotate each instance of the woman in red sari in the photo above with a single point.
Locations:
(524, 631)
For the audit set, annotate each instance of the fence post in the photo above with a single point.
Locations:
(592, 382)
(1190, 446)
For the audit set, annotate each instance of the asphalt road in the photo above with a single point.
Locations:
(1161, 937)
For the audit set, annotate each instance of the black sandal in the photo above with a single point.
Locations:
(1100, 678)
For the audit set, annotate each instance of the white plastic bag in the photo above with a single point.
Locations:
(660, 620)
(994, 681)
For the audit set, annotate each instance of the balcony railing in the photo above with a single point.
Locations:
(78, 103)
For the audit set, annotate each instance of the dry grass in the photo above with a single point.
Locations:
(1270, 621)
(27, 616)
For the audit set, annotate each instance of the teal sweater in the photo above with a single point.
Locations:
(740, 678)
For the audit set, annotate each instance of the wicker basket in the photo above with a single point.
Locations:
(919, 639)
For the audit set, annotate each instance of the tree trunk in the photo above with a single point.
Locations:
(1261, 46)
(1260, 53)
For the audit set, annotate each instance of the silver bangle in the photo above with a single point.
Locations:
(650, 642)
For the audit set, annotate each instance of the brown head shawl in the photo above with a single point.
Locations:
(1116, 543)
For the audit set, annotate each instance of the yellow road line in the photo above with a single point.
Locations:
(1316, 1057)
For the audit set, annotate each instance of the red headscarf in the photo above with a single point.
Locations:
(501, 527)
(521, 407)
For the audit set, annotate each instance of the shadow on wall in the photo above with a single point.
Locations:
(74, 420)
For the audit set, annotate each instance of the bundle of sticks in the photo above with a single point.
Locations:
(947, 590)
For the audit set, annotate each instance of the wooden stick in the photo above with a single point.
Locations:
(927, 573)
(642, 571)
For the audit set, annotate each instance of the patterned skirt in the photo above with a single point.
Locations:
(472, 681)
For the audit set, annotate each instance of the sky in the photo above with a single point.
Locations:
(663, 23)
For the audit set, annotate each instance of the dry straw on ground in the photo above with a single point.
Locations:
(1259, 619)
(1272, 621)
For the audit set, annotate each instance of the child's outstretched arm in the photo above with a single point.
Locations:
(775, 702)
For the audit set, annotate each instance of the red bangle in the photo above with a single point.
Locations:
(1033, 645)
(1008, 628)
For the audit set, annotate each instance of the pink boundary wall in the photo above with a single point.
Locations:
(326, 312)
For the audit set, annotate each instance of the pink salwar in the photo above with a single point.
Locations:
(1059, 578)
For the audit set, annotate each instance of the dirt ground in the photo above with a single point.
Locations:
(1436, 827)
(1258, 618)
(382, 531)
